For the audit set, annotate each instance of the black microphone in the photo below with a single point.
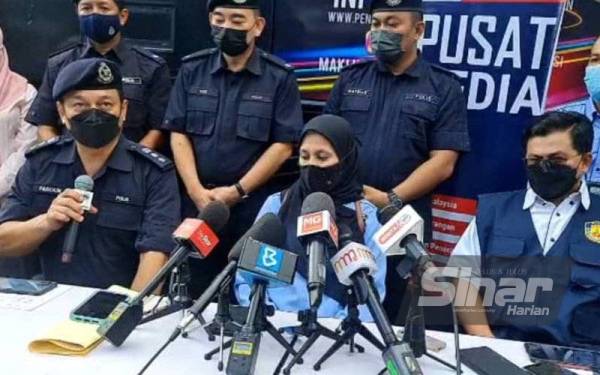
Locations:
(354, 265)
(262, 263)
(85, 184)
(192, 234)
(317, 231)
(264, 228)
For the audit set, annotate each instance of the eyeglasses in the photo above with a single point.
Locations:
(556, 160)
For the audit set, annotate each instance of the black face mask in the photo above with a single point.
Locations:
(320, 179)
(231, 42)
(551, 180)
(94, 128)
(387, 46)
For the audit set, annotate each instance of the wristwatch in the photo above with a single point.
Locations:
(395, 199)
(241, 191)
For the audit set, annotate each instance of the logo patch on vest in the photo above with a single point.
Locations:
(592, 231)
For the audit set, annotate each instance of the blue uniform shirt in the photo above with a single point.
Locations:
(594, 172)
(146, 86)
(232, 118)
(400, 119)
(294, 297)
(138, 208)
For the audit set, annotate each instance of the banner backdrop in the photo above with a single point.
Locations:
(503, 52)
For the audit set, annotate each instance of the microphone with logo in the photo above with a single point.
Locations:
(85, 185)
(264, 229)
(402, 234)
(317, 231)
(192, 235)
(354, 265)
(261, 264)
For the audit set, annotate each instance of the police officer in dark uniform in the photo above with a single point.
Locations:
(234, 115)
(409, 115)
(126, 236)
(146, 78)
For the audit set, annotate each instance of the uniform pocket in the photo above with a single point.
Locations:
(355, 108)
(585, 272)
(136, 113)
(254, 118)
(42, 198)
(201, 111)
(417, 117)
(120, 211)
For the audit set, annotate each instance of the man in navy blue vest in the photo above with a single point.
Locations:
(543, 243)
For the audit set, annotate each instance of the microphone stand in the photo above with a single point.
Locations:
(350, 327)
(414, 329)
(178, 295)
(256, 322)
(224, 323)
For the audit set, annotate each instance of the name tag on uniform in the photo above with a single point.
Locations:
(357, 92)
(259, 98)
(122, 199)
(432, 99)
(132, 80)
(49, 189)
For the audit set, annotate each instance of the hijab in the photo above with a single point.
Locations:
(13, 87)
(346, 189)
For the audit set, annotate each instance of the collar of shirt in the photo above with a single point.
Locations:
(583, 196)
(117, 54)
(218, 63)
(415, 70)
(120, 159)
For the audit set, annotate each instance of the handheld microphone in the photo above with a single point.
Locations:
(85, 185)
(192, 234)
(397, 225)
(317, 231)
(353, 265)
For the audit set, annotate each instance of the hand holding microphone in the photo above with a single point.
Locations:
(70, 206)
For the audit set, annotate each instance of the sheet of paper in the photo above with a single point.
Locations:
(30, 303)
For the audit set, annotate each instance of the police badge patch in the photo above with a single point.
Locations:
(105, 75)
(393, 3)
(592, 231)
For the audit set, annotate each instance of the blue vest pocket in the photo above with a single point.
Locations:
(586, 268)
(505, 247)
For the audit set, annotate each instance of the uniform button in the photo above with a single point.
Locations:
(558, 214)
(572, 203)
(552, 240)
(597, 169)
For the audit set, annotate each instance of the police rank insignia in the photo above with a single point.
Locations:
(393, 3)
(105, 75)
(592, 231)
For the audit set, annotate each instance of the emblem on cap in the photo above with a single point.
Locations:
(592, 231)
(240, 1)
(393, 3)
(105, 75)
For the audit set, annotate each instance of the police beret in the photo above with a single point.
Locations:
(87, 74)
(397, 5)
(249, 4)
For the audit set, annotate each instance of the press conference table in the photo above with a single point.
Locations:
(186, 356)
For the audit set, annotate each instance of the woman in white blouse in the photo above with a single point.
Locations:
(16, 136)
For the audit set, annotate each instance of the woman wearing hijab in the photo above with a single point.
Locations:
(16, 136)
(328, 163)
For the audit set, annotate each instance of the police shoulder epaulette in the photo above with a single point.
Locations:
(148, 54)
(157, 159)
(443, 70)
(199, 54)
(275, 60)
(65, 48)
(45, 144)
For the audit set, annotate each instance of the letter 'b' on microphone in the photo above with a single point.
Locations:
(85, 184)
